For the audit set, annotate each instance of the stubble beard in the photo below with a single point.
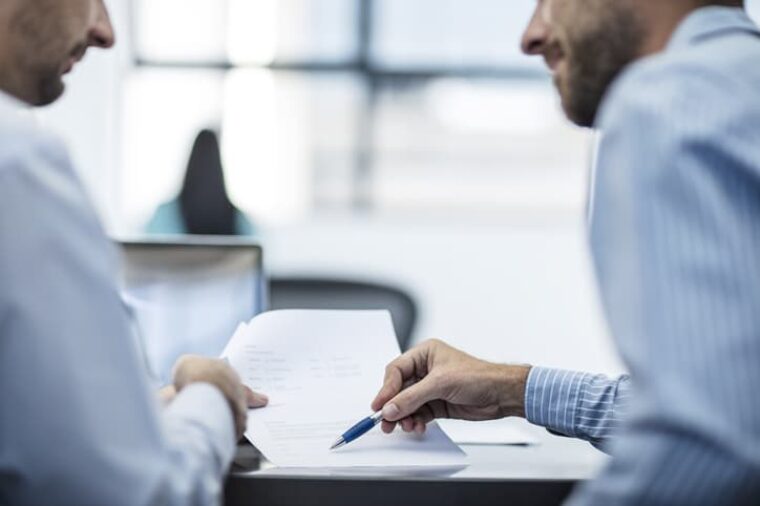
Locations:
(595, 60)
(50, 88)
(37, 61)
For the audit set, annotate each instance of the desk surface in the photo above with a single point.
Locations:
(538, 474)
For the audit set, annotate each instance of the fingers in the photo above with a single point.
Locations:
(388, 427)
(408, 424)
(424, 416)
(396, 374)
(247, 399)
(191, 369)
(241, 418)
(399, 373)
(409, 401)
(255, 399)
(414, 423)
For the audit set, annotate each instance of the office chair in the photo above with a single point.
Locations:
(316, 293)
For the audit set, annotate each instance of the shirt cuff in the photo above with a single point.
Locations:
(204, 406)
(551, 398)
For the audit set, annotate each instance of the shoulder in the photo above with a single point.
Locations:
(35, 169)
(676, 114)
(47, 223)
(166, 220)
(31, 158)
(39, 188)
(679, 121)
(704, 87)
(22, 141)
(169, 208)
(671, 90)
(243, 225)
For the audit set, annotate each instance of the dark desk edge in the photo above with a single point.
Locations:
(284, 490)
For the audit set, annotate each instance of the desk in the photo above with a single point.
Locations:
(540, 474)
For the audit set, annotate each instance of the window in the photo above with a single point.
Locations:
(216, 32)
(345, 105)
(451, 34)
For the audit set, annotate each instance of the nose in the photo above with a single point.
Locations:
(536, 34)
(101, 32)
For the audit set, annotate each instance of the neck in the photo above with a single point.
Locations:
(662, 19)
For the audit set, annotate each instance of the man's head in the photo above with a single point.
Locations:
(587, 43)
(41, 40)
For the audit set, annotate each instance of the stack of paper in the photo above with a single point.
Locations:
(321, 370)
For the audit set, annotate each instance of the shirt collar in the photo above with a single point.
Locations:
(13, 108)
(709, 21)
(11, 101)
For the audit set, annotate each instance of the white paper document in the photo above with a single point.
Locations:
(321, 369)
(492, 432)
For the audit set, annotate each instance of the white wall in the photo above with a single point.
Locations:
(518, 289)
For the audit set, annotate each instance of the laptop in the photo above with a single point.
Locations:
(188, 295)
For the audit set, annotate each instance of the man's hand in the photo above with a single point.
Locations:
(191, 369)
(434, 380)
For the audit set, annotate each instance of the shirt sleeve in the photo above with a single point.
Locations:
(79, 423)
(675, 238)
(586, 406)
(199, 432)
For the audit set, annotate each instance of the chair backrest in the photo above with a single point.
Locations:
(315, 293)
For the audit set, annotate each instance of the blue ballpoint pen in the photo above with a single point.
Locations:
(358, 430)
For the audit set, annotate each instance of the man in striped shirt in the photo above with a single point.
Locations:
(674, 87)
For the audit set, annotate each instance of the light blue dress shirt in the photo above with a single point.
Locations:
(79, 423)
(675, 237)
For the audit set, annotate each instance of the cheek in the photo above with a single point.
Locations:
(73, 21)
(562, 67)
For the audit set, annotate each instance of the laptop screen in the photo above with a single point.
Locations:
(188, 297)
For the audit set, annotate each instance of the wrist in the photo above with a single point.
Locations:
(511, 389)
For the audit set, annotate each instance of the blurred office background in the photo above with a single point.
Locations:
(402, 141)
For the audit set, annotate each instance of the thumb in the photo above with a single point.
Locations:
(255, 399)
(410, 400)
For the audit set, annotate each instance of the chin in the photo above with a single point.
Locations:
(574, 108)
(49, 92)
(570, 114)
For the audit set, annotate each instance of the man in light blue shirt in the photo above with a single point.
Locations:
(79, 424)
(674, 88)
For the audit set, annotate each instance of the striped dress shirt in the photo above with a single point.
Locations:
(675, 236)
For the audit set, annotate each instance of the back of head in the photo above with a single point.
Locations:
(204, 203)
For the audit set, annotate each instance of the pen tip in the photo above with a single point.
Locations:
(337, 444)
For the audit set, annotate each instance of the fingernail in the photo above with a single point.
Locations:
(391, 412)
(263, 398)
